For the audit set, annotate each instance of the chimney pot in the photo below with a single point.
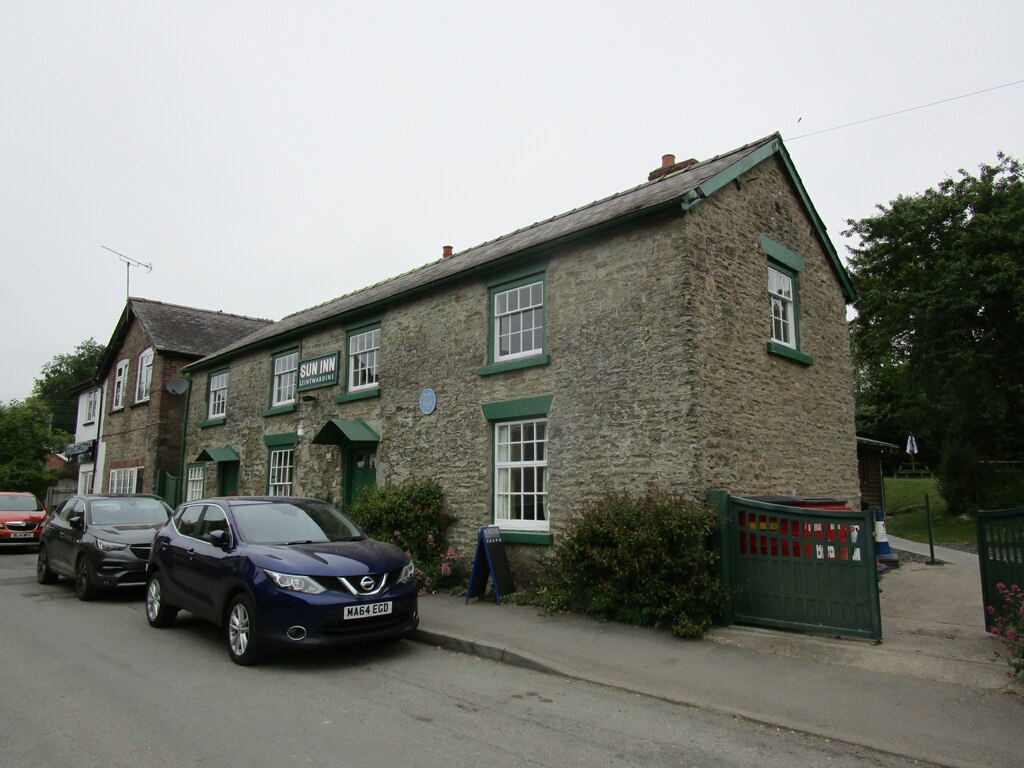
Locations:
(668, 160)
(446, 252)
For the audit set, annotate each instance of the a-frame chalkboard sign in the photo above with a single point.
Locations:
(490, 559)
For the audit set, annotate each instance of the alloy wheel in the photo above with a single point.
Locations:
(239, 627)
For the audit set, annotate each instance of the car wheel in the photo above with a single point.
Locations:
(159, 613)
(43, 573)
(243, 645)
(84, 586)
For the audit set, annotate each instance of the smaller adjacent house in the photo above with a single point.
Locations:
(84, 455)
(130, 415)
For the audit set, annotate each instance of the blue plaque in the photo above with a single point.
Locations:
(428, 401)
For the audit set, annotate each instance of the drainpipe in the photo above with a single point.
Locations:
(96, 472)
(182, 480)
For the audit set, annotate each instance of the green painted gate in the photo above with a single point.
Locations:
(1000, 552)
(800, 568)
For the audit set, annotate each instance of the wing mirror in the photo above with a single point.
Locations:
(221, 539)
(77, 520)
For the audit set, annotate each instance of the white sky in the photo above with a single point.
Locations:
(266, 157)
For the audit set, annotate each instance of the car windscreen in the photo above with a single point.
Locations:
(290, 522)
(19, 504)
(128, 511)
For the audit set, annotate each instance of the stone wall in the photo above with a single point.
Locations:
(770, 425)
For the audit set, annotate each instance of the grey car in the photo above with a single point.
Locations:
(100, 541)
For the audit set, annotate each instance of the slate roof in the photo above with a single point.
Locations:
(191, 331)
(175, 329)
(669, 190)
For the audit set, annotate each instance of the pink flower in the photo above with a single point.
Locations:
(446, 569)
(430, 539)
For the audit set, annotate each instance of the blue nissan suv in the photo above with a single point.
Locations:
(279, 572)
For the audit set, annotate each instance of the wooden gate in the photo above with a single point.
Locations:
(1000, 552)
(800, 568)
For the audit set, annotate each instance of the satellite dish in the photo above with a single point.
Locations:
(177, 386)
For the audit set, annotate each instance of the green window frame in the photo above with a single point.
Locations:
(280, 463)
(363, 356)
(784, 268)
(216, 398)
(284, 380)
(519, 501)
(517, 322)
(195, 482)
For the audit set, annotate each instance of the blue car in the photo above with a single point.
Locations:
(279, 572)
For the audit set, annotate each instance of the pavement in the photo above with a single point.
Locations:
(932, 690)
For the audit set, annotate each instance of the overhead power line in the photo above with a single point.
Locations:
(904, 111)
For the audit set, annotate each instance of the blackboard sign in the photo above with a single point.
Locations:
(490, 560)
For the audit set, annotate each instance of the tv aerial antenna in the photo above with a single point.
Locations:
(129, 262)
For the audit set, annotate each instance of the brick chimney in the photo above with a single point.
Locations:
(446, 252)
(669, 165)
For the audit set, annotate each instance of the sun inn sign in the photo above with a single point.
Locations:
(318, 372)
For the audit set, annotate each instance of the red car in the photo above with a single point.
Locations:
(21, 519)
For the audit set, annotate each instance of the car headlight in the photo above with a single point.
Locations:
(109, 546)
(295, 583)
(408, 573)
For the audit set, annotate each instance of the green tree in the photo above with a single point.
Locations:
(937, 337)
(25, 442)
(60, 376)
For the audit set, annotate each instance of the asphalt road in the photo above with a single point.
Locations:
(91, 684)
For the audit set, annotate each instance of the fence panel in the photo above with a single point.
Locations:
(1000, 552)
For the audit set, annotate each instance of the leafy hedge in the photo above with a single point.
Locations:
(413, 516)
(639, 560)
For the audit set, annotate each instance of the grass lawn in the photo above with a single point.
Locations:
(904, 503)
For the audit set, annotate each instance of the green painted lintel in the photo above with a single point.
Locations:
(517, 409)
(780, 253)
(516, 272)
(281, 439)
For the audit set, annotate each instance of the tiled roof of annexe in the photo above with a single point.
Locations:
(606, 211)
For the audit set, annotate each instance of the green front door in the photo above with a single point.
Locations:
(227, 478)
(360, 471)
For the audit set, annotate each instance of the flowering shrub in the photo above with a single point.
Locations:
(413, 516)
(1008, 625)
(638, 560)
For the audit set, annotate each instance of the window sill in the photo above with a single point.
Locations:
(360, 395)
(212, 422)
(137, 403)
(514, 365)
(541, 538)
(279, 409)
(775, 348)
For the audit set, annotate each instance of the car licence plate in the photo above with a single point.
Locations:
(365, 610)
(22, 535)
